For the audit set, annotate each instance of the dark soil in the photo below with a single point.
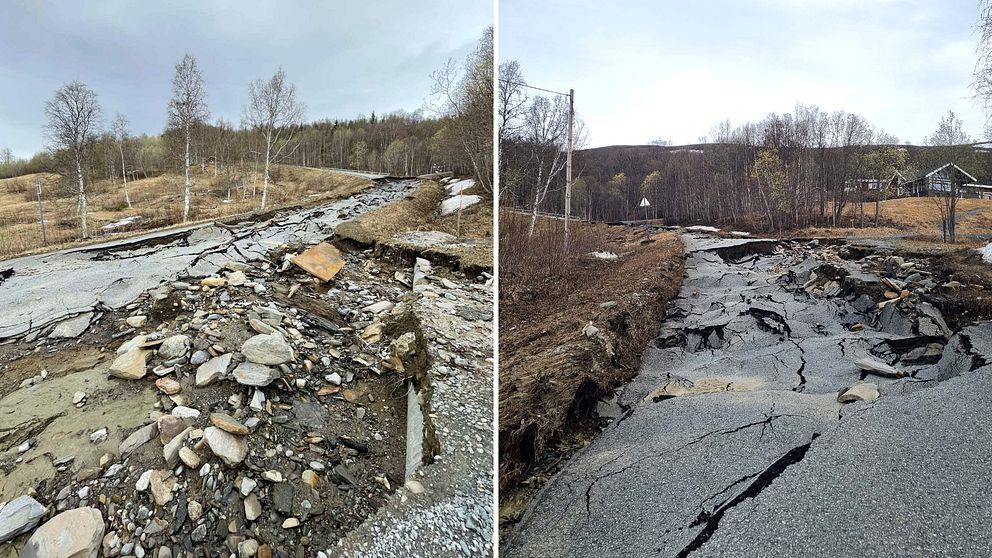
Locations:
(551, 373)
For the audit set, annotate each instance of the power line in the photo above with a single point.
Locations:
(522, 84)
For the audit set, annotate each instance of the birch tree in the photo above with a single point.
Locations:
(274, 111)
(187, 108)
(121, 134)
(73, 118)
(953, 147)
(546, 124)
(467, 106)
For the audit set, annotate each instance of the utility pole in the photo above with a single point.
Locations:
(41, 212)
(568, 160)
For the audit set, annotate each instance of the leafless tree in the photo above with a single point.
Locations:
(6, 156)
(73, 118)
(121, 134)
(954, 148)
(274, 111)
(468, 104)
(187, 108)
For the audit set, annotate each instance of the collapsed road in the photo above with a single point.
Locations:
(81, 282)
(801, 400)
(202, 393)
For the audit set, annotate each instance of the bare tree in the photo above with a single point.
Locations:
(6, 156)
(274, 111)
(73, 117)
(121, 134)
(187, 108)
(468, 105)
(954, 148)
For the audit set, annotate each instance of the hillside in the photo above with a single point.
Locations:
(156, 202)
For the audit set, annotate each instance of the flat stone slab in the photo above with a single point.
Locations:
(19, 515)
(73, 327)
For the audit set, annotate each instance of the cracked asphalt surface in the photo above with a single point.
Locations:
(733, 442)
(51, 287)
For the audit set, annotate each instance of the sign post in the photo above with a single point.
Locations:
(645, 204)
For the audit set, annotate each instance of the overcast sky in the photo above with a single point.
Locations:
(345, 57)
(648, 69)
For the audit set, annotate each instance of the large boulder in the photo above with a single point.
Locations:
(269, 349)
(212, 370)
(253, 374)
(20, 515)
(71, 534)
(230, 448)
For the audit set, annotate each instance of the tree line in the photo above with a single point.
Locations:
(453, 133)
(800, 169)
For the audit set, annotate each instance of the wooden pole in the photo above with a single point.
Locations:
(568, 160)
(41, 212)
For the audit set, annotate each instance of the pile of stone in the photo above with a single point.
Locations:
(264, 419)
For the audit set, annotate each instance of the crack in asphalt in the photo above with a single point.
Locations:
(802, 367)
(764, 423)
(711, 520)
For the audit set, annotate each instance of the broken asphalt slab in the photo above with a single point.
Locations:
(48, 288)
(734, 417)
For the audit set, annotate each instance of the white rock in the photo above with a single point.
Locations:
(20, 515)
(132, 344)
(184, 412)
(230, 448)
(171, 450)
(72, 534)
(212, 370)
(174, 347)
(257, 401)
(143, 481)
(253, 374)
(267, 349)
(248, 485)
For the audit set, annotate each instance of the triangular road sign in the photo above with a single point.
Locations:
(644, 203)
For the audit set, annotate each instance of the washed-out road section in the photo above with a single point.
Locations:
(734, 442)
(81, 282)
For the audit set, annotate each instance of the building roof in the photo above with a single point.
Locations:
(930, 173)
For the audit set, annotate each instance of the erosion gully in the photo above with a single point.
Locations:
(733, 441)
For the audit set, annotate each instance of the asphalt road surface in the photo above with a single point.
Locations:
(734, 443)
(79, 283)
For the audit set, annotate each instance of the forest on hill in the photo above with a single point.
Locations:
(800, 169)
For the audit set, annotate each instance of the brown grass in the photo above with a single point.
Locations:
(551, 374)
(916, 217)
(417, 213)
(157, 199)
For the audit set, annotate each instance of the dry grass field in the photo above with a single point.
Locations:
(914, 217)
(157, 200)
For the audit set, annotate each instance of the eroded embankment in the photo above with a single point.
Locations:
(810, 386)
(243, 406)
(559, 355)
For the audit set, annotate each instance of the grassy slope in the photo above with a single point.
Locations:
(551, 373)
(911, 216)
(157, 199)
(416, 213)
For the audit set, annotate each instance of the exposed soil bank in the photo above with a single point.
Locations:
(568, 343)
